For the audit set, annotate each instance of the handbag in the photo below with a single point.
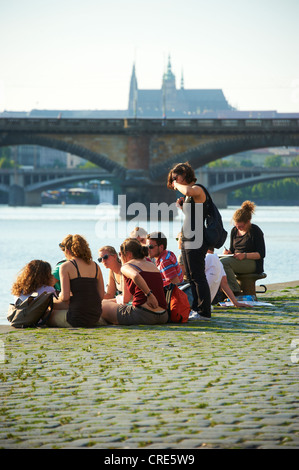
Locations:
(32, 312)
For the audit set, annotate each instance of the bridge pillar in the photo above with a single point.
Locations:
(16, 190)
(220, 199)
(33, 198)
(147, 201)
(16, 195)
(138, 152)
(202, 176)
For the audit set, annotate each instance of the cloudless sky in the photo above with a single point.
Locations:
(78, 54)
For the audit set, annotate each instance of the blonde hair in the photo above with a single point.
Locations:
(111, 250)
(78, 246)
(245, 212)
(35, 274)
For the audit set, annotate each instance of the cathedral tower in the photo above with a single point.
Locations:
(169, 90)
(133, 95)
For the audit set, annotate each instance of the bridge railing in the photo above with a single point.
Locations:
(147, 125)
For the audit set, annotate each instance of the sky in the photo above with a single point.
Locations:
(79, 54)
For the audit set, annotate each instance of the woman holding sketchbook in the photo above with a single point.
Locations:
(247, 246)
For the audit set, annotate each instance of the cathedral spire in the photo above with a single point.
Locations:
(132, 108)
(182, 80)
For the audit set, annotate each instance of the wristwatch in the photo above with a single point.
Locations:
(149, 293)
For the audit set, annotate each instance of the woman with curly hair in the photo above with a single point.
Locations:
(82, 289)
(246, 244)
(35, 277)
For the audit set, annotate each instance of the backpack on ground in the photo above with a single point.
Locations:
(31, 312)
(187, 289)
(214, 233)
(178, 306)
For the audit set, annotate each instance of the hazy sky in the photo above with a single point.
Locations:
(78, 54)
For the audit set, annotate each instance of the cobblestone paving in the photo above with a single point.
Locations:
(228, 383)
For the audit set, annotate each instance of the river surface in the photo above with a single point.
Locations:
(34, 233)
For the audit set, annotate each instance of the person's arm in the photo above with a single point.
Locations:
(131, 273)
(232, 237)
(175, 280)
(111, 287)
(183, 269)
(127, 296)
(196, 192)
(169, 271)
(100, 284)
(241, 256)
(65, 283)
(227, 290)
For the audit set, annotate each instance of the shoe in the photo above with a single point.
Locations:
(202, 318)
(193, 315)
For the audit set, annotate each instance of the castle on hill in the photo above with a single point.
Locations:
(166, 102)
(172, 102)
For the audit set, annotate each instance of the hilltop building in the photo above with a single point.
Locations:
(172, 102)
(168, 102)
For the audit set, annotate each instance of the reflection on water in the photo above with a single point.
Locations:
(34, 233)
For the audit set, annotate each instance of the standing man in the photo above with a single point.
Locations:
(166, 261)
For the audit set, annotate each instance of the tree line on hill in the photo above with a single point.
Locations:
(282, 191)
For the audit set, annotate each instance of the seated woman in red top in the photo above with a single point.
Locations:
(144, 282)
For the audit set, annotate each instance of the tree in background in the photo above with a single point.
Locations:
(5, 158)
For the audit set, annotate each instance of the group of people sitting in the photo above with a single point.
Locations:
(137, 276)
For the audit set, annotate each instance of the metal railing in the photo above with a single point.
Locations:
(146, 125)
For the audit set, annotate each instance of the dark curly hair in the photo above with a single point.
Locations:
(181, 169)
(35, 274)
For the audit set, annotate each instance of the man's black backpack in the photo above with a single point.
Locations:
(214, 233)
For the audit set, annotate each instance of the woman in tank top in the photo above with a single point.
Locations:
(110, 260)
(143, 283)
(182, 178)
(82, 289)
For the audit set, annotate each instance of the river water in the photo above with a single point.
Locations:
(34, 233)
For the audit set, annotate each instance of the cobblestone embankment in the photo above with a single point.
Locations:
(228, 383)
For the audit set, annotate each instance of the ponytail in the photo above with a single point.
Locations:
(134, 246)
(245, 212)
(78, 246)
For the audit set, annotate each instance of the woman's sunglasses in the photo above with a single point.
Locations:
(103, 257)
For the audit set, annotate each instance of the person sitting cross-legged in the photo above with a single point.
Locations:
(143, 282)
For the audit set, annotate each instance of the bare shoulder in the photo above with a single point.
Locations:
(149, 266)
(198, 193)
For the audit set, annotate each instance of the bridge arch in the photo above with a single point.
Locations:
(99, 159)
(254, 179)
(210, 151)
(59, 182)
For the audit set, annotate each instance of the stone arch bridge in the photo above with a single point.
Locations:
(138, 153)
